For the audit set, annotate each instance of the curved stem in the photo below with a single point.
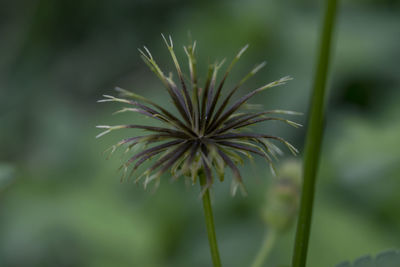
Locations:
(314, 138)
(212, 238)
(265, 249)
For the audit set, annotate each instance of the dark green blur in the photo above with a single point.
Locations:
(61, 201)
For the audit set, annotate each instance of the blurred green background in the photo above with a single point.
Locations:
(61, 202)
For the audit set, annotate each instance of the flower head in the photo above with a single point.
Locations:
(208, 133)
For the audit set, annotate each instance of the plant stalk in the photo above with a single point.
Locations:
(265, 249)
(314, 137)
(208, 215)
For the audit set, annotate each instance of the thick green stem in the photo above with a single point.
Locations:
(212, 238)
(265, 249)
(314, 138)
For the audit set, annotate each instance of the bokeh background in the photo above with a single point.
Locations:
(61, 201)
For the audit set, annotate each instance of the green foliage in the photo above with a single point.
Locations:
(390, 258)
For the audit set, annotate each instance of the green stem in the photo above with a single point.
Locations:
(212, 238)
(267, 245)
(314, 138)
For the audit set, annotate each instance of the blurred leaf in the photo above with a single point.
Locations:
(7, 174)
(389, 258)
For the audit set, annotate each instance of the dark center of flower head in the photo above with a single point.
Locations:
(208, 134)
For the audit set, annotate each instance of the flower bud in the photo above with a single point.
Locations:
(283, 197)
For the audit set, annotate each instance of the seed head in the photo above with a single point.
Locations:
(208, 133)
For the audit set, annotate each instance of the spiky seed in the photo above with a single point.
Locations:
(207, 135)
